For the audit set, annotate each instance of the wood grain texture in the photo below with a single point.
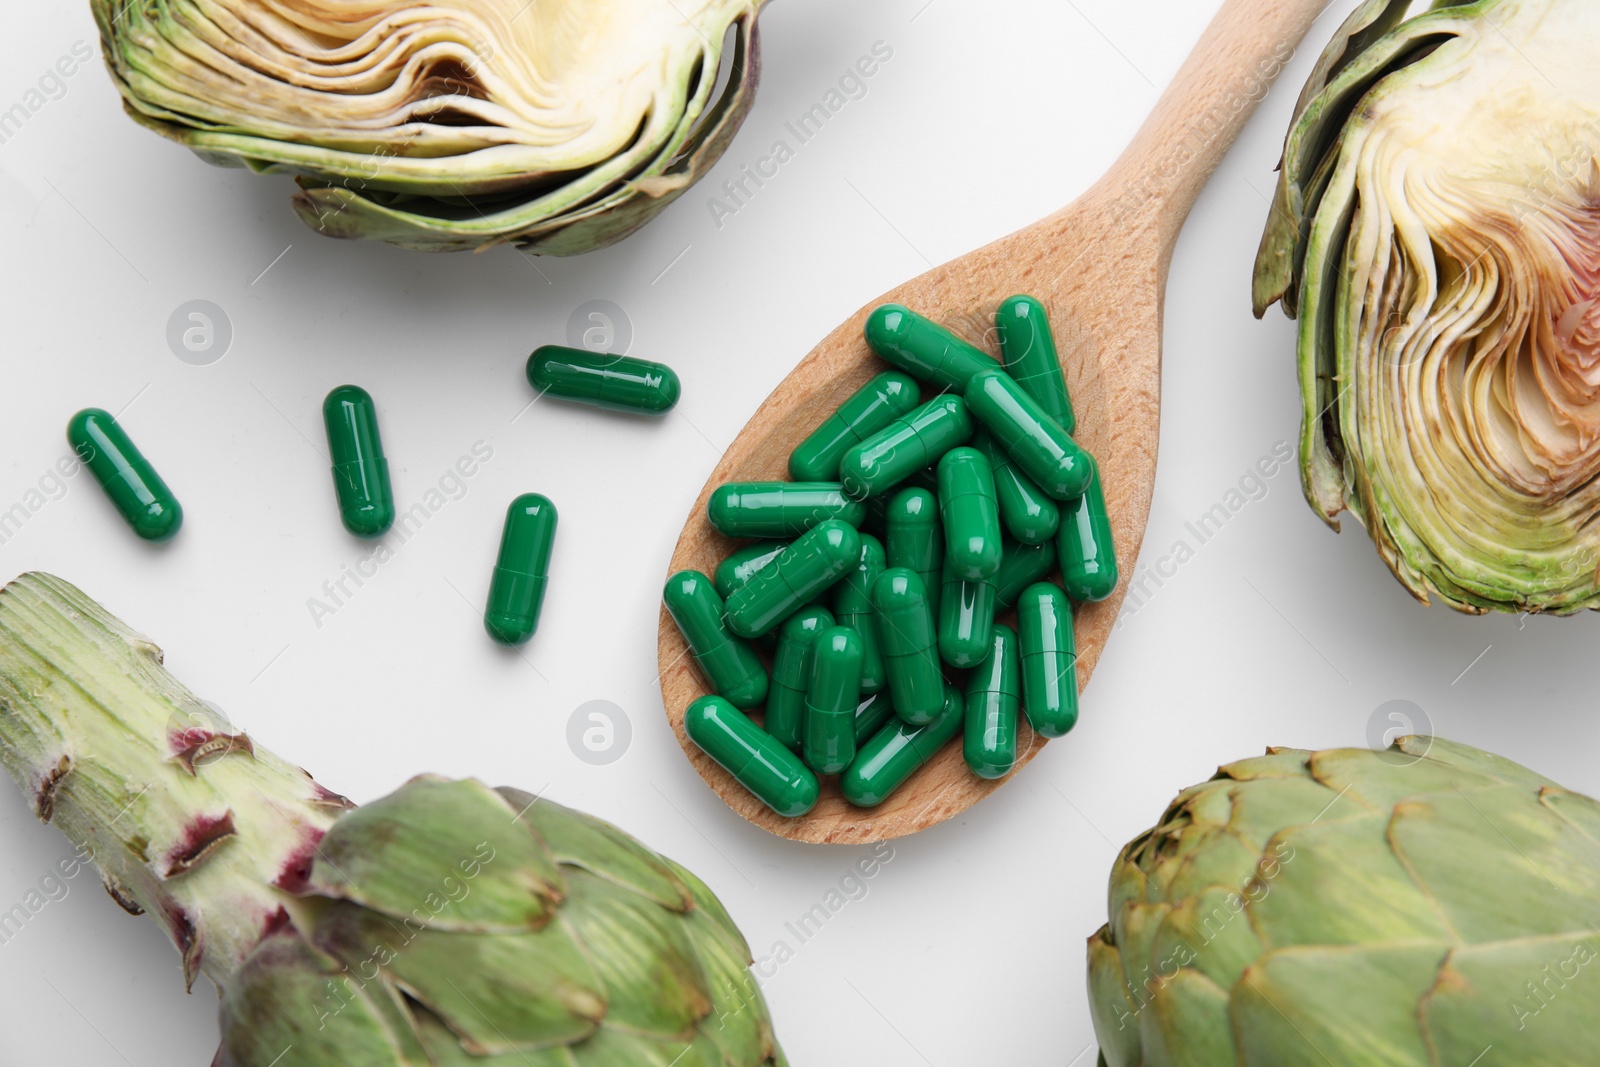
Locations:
(1100, 266)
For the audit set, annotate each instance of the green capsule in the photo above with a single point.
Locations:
(910, 652)
(819, 558)
(966, 617)
(1020, 567)
(971, 514)
(360, 471)
(791, 674)
(905, 446)
(876, 710)
(914, 538)
(779, 509)
(734, 571)
(133, 485)
(516, 591)
(1029, 349)
(830, 737)
(731, 666)
(990, 738)
(1049, 660)
(771, 772)
(1027, 514)
(898, 750)
(852, 603)
(872, 407)
(921, 347)
(1039, 447)
(616, 383)
(1088, 556)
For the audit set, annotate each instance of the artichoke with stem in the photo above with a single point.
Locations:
(559, 125)
(445, 925)
(1436, 231)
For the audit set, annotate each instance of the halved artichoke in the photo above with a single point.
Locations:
(560, 125)
(1437, 233)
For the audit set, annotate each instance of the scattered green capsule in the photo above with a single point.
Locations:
(1088, 555)
(872, 407)
(734, 571)
(1040, 448)
(914, 538)
(921, 347)
(905, 446)
(616, 383)
(852, 604)
(731, 666)
(133, 485)
(830, 737)
(516, 591)
(876, 710)
(791, 674)
(779, 509)
(966, 616)
(1020, 567)
(971, 514)
(819, 558)
(990, 738)
(910, 652)
(1028, 515)
(360, 471)
(1049, 660)
(898, 750)
(1029, 349)
(771, 772)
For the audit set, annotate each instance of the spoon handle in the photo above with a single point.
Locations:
(1240, 55)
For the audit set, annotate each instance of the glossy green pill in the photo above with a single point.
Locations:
(914, 538)
(734, 571)
(771, 772)
(779, 509)
(1034, 441)
(133, 485)
(872, 407)
(922, 348)
(989, 740)
(791, 674)
(966, 617)
(910, 652)
(1028, 348)
(360, 471)
(731, 666)
(1088, 556)
(971, 514)
(1020, 567)
(906, 446)
(830, 735)
(616, 383)
(1049, 660)
(819, 558)
(852, 605)
(516, 591)
(871, 715)
(897, 751)
(1027, 514)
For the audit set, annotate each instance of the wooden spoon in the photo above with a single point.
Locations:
(1100, 267)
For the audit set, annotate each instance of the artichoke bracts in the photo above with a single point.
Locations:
(1350, 908)
(561, 125)
(445, 925)
(1436, 232)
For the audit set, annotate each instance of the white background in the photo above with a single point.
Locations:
(968, 946)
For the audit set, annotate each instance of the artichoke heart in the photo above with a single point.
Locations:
(560, 125)
(1436, 232)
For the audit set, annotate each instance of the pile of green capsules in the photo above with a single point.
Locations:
(876, 576)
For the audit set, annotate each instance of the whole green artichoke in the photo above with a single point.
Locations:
(1430, 905)
(559, 125)
(445, 925)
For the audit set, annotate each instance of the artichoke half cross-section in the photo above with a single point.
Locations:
(559, 125)
(1436, 232)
